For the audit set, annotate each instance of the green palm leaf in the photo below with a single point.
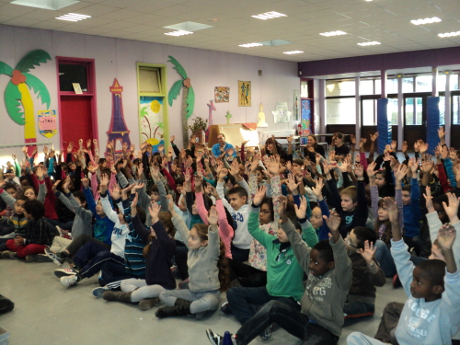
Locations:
(12, 103)
(5, 69)
(143, 112)
(174, 91)
(38, 87)
(31, 59)
(190, 103)
(178, 67)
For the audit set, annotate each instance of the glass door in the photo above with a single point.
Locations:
(414, 119)
(455, 127)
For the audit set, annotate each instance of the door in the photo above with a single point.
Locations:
(76, 119)
(455, 127)
(414, 119)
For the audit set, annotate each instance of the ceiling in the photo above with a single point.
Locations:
(385, 21)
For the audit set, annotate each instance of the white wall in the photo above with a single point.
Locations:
(116, 58)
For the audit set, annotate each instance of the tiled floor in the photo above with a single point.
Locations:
(46, 313)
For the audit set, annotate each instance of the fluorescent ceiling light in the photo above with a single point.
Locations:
(188, 26)
(269, 15)
(425, 21)
(250, 45)
(73, 17)
(293, 52)
(333, 33)
(373, 43)
(45, 4)
(179, 33)
(449, 34)
(275, 42)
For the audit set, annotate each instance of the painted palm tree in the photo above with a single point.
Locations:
(18, 99)
(188, 97)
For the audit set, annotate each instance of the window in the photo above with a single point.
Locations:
(369, 110)
(413, 110)
(70, 73)
(304, 89)
(341, 111)
(340, 88)
(456, 110)
(408, 85)
(453, 82)
(423, 83)
(149, 80)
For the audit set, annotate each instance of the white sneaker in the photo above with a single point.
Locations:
(69, 281)
(64, 272)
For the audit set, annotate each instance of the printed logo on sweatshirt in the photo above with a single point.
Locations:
(415, 321)
(317, 292)
(117, 231)
(349, 219)
(238, 217)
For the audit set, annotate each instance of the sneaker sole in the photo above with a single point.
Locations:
(211, 339)
(61, 274)
(55, 261)
(98, 292)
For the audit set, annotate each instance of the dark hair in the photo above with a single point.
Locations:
(364, 234)
(180, 180)
(22, 198)
(27, 188)
(153, 189)
(434, 270)
(279, 148)
(325, 250)
(240, 191)
(387, 234)
(406, 188)
(260, 169)
(141, 213)
(165, 219)
(298, 162)
(23, 178)
(34, 208)
(79, 195)
(223, 135)
(102, 161)
(10, 186)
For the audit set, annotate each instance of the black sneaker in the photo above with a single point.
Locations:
(267, 333)
(226, 309)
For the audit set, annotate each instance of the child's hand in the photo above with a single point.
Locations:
(116, 192)
(223, 173)
(235, 169)
(213, 217)
(171, 205)
(54, 188)
(259, 196)
(301, 211)
(155, 171)
(317, 189)
(333, 221)
(368, 252)
(39, 173)
(291, 184)
(282, 200)
(400, 172)
(393, 212)
(404, 147)
(452, 209)
(125, 192)
(154, 210)
(371, 169)
(374, 136)
(136, 187)
(65, 186)
(104, 183)
(198, 181)
(273, 166)
(429, 200)
(134, 204)
(446, 236)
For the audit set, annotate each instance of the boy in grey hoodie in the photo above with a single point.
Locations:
(329, 278)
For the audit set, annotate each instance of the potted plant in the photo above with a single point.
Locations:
(198, 128)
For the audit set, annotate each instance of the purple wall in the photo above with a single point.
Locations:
(421, 58)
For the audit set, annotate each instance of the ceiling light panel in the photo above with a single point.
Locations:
(423, 21)
(250, 45)
(73, 17)
(45, 4)
(449, 34)
(188, 26)
(373, 43)
(333, 33)
(179, 33)
(292, 52)
(269, 15)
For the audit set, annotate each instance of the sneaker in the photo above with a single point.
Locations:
(183, 285)
(65, 272)
(226, 309)
(267, 333)
(396, 282)
(7, 254)
(55, 257)
(175, 272)
(148, 303)
(38, 258)
(98, 292)
(217, 339)
(69, 281)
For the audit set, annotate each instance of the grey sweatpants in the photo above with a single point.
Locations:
(202, 301)
(143, 291)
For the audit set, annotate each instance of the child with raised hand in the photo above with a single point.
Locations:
(206, 270)
(430, 314)
(317, 212)
(351, 203)
(159, 250)
(329, 277)
(366, 273)
(284, 274)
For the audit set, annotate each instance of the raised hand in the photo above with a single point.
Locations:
(333, 221)
(259, 196)
(155, 171)
(222, 174)
(54, 188)
(282, 200)
(393, 212)
(371, 169)
(368, 252)
(213, 217)
(235, 169)
(104, 183)
(116, 192)
(301, 211)
(154, 210)
(452, 208)
(446, 236)
(85, 182)
(404, 147)
(423, 147)
(65, 186)
(39, 173)
(374, 136)
(394, 145)
(400, 172)
(317, 189)
(273, 166)
(291, 183)
(429, 200)
(171, 205)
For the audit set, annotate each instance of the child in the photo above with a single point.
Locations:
(206, 269)
(430, 315)
(329, 277)
(351, 204)
(366, 273)
(17, 222)
(39, 233)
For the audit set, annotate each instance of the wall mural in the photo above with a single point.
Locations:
(152, 127)
(188, 97)
(18, 98)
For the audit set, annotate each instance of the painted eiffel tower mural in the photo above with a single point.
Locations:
(118, 131)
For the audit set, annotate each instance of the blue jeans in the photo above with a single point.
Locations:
(384, 258)
(288, 318)
(245, 302)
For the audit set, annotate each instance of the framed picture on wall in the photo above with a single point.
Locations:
(306, 117)
(221, 94)
(244, 93)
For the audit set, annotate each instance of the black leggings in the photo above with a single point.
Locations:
(248, 276)
(80, 240)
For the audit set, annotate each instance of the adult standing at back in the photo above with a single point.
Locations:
(221, 148)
